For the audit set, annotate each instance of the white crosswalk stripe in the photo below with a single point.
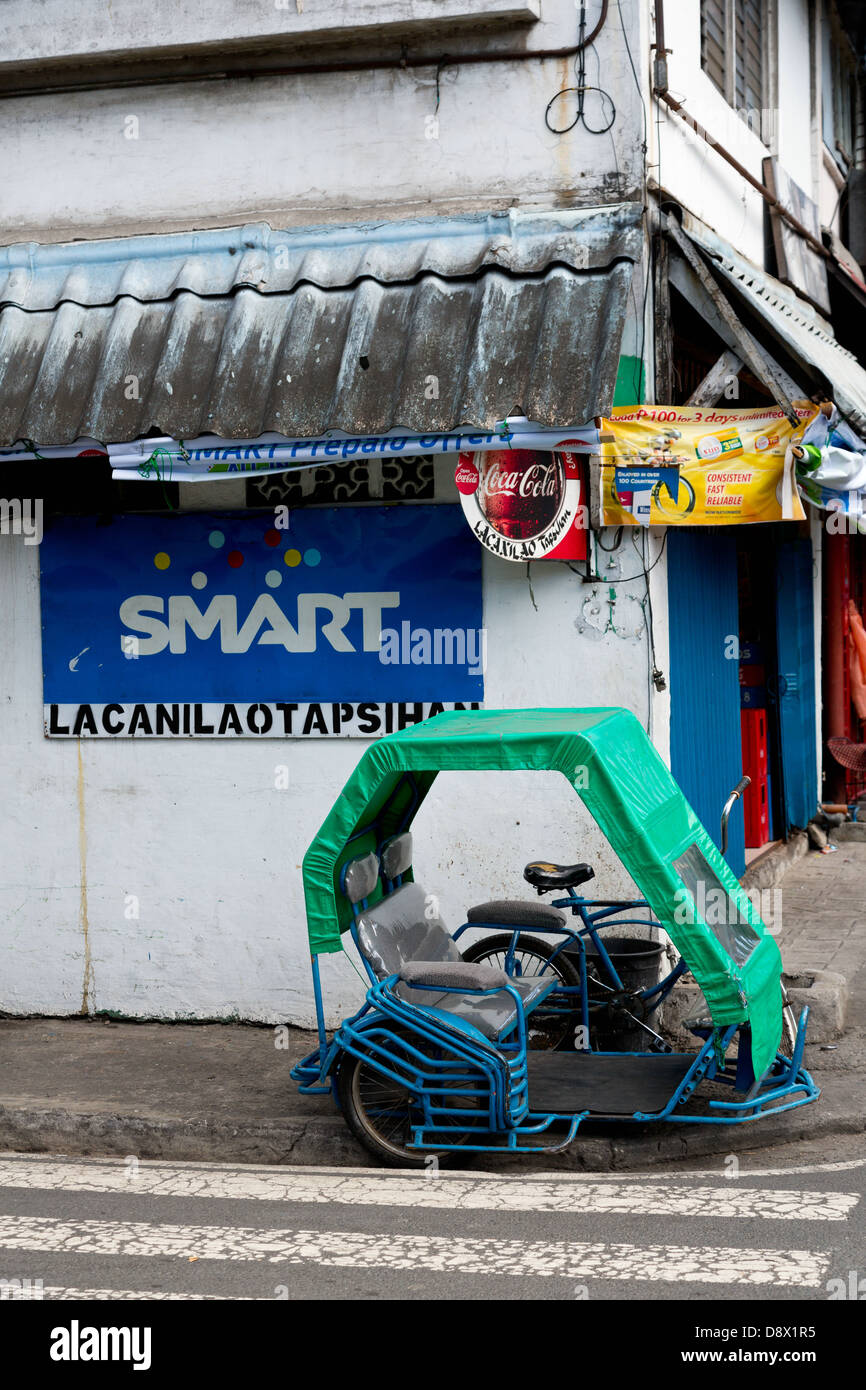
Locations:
(609, 1225)
(441, 1190)
(563, 1258)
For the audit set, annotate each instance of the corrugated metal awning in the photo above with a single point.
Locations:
(429, 326)
(805, 334)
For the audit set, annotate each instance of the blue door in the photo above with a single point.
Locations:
(795, 643)
(706, 751)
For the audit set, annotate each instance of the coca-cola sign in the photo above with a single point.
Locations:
(525, 504)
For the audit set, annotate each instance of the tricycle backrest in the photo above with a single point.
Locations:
(396, 856)
(403, 926)
(359, 877)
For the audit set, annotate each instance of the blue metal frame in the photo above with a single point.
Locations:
(607, 914)
(439, 1059)
(494, 1081)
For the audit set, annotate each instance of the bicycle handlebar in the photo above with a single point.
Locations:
(741, 786)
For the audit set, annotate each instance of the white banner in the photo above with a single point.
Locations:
(282, 720)
(209, 457)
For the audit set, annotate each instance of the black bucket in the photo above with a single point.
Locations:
(637, 961)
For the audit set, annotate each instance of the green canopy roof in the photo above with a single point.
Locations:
(614, 768)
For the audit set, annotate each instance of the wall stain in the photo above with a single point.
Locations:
(87, 986)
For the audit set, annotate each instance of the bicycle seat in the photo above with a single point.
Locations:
(544, 876)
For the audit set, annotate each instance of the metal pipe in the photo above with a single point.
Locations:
(817, 246)
(316, 69)
(660, 62)
(660, 27)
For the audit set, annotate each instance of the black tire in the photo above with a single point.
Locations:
(361, 1089)
(545, 1031)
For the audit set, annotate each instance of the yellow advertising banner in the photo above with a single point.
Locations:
(693, 466)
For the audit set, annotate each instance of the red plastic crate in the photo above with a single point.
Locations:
(756, 807)
(756, 814)
(753, 732)
(752, 675)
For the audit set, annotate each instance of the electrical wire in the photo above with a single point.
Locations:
(617, 542)
(406, 61)
(589, 577)
(655, 678)
(633, 73)
(31, 448)
(629, 579)
(606, 101)
(642, 557)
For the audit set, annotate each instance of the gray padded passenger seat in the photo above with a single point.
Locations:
(514, 912)
(403, 928)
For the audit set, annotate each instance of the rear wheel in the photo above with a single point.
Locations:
(381, 1113)
(547, 1028)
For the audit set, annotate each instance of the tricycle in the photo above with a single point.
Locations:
(494, 1047)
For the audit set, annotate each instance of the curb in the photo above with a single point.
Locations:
(826, 992)
(850, 831)
(326, 1142)
(302, 1141)
(770, 868)
(826, 995)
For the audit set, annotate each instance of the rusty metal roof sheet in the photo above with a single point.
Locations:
(426, 325)
(806, 335)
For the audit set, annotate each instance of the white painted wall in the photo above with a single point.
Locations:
(197, 832)
(692, 171)
(687, 167)
(50, 33)
(794, 125)
(296, 150)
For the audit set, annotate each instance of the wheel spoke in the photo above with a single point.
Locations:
(530, 961)
(388, 1112)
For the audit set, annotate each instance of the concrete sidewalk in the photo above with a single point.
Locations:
(824, 917)
(223, 1091)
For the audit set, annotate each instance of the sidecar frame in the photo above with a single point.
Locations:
(440, 1060)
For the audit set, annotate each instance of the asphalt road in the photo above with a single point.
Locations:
(755, 1227)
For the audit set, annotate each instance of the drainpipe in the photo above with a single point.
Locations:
(660, 62)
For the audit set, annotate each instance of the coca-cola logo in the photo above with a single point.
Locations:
(467, 477)
(538, 480)
(521, 492)
(524, 504)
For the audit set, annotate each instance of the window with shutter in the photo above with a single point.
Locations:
(749, 57)
(839, 83)
(713, 42)
(733, 41)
